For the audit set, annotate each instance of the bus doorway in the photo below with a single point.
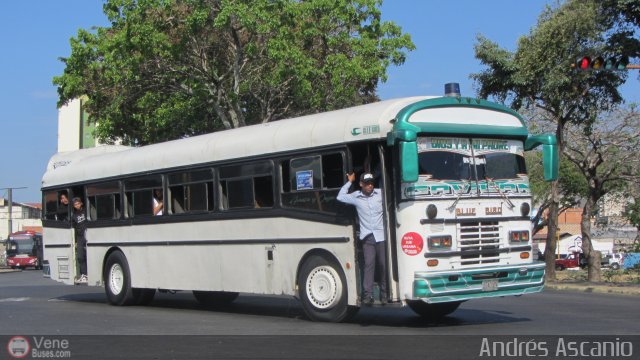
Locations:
(58, 248)
(373, 158)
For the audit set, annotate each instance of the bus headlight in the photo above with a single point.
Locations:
(521, 236)
(440, 242)
(525, 208)
(432, 211)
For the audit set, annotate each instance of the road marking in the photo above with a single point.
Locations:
(14, 299)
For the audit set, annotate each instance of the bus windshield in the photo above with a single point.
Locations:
(20, 245)
(444, 165)
(500, 166)
(470, 159)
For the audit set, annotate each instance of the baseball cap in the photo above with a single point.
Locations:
(367, 177)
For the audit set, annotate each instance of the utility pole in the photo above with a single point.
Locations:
(10, 193)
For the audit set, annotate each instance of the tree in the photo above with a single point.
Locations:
(633, 215)
(538, 76)
(167, 69)
(623, 20)
(571, 183)
(606, 152)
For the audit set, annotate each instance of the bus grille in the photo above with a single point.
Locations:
(479, 242)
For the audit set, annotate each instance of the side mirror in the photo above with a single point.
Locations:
(409, 161)
(550, 161)
(550, 157)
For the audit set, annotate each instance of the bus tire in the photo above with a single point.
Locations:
(144, 296)
(117, 281)
(433, 311)
(323, 290)
(215, 298)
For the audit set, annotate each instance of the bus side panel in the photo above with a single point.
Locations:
(259, 256)
(59, 252)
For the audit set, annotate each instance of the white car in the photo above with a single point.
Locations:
(614, 260)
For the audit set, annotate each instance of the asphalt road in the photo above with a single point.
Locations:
(275, 327)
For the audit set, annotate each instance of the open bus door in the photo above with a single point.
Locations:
(387, 186)
(58, 249)
(372, 158)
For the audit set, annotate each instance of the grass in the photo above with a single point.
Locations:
(627, 276)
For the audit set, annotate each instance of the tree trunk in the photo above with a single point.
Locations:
(593, 257)
(552, 228)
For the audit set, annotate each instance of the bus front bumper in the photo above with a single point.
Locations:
(460, 285)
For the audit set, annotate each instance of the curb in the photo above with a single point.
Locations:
(633, 290)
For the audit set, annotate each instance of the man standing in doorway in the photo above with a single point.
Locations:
(368, 203)
(79, 220)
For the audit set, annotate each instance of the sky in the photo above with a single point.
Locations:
(34, 34)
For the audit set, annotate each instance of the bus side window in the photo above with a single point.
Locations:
(263, 190)
(313, 182)
(104, 201)
(191, 191)
(246, 186)
(51, 205)
(139, 195)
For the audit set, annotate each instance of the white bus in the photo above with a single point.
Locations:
(254, 210)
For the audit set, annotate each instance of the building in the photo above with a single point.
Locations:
(23, 217)
(568, 222)
(74, 129)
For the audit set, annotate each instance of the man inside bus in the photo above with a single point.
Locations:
(368, 203)
(63, 207)
(79, 220)
(158, 204)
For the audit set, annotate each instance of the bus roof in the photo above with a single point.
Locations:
(365, 122)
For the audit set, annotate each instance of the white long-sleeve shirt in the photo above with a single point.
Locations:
(370, 210)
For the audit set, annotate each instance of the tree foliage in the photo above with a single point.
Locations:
(623, 21)
(606, 152)
(538, 76)
(573, 187)
(166, 69)
(632, 213)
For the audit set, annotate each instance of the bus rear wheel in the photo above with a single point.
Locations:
(323, 291)
(215, 298)
(118, 281)
(433, 311)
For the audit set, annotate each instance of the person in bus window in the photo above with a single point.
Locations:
(157, 202)
(79, 220)
(368, 203)
(63, 207)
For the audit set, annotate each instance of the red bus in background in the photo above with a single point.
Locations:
(24, 249)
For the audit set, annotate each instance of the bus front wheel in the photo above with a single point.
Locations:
(433, 311)
(118, 281)
(323, 290)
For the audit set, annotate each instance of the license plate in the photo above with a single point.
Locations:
(490, 285)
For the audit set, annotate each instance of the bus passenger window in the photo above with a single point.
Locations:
(104, 201)
(139, 195)
(238, 193)
(263, 189)
(313, 182)
(52, 209)
(191, 191)
(246, 186)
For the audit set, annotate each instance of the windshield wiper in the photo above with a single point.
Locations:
(503, 195)
(463, 191)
